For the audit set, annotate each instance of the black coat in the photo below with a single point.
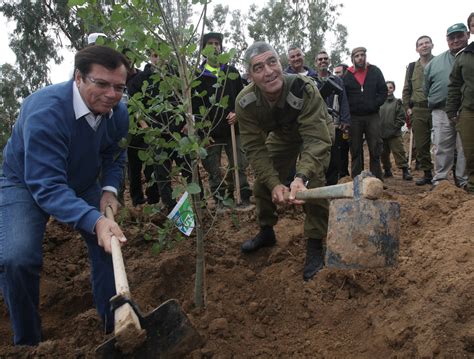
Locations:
(366, 99)
(231, 85)
(134, 85)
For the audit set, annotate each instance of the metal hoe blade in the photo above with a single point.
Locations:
(170, 334)
(363, 233)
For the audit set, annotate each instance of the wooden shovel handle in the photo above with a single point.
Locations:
(128, 331)
(121, 282)
(236, 169)
(372, 189)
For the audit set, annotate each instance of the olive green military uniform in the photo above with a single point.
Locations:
(461, 100)
(273, 137)
(421, 115)
(392, 118)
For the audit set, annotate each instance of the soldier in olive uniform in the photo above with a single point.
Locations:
(280, 116)
(416, 107)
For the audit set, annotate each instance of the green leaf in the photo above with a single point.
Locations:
(72, 3)
(233, 76)
(156, 248)
(202, 152)
(143, 156)
(195, 83)
(193, 188)
(123, 143)
(224, 58)
(228, 202)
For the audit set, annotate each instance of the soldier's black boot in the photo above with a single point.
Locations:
(388, 173)
(314, 258)
(264, 238)
(406, 174)
(426, 179)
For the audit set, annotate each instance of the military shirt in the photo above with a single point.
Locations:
(461, 84)
(417, 94)
(291, 120)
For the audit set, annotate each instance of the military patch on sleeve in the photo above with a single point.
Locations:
(247, 99)
(294, 101)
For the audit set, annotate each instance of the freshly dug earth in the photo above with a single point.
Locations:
(258, 306)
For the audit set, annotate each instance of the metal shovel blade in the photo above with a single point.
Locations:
(362, 233)
(169, 334)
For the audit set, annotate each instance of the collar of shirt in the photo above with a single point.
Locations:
(81, 110)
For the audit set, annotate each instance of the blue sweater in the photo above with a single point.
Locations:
(58, 158)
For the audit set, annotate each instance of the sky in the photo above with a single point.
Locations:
(388, 29)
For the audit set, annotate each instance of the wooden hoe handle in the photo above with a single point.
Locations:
(372, 188)
(127, 331)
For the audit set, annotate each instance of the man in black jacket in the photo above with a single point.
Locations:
(164, 121)
(366, 92)
(218, 82)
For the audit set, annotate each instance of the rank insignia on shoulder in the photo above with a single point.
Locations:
(247, 99)
(294, 101)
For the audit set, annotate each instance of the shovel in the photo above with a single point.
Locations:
(363, 231)
(164, 333)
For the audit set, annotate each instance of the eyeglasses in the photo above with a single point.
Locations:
(104, 85)
(323, 59)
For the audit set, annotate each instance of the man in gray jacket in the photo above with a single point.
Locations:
(446, 138)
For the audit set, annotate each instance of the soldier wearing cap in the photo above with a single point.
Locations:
(366, 92)
(446, 138)
(282, 116)
(460, 103)
(216, 82)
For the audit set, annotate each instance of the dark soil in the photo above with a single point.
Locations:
(258, 306)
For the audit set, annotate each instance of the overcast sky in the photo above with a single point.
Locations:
(388, 29)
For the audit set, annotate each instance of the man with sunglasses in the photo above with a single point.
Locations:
(65, 136)
(334, 94)
(280, 117)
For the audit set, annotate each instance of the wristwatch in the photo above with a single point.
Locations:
(303, 178)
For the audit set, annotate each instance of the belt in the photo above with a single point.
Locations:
(423, 104)
(438, 105)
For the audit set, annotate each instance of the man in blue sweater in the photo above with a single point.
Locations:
(63, 160)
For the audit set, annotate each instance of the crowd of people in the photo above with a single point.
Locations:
(295, 127)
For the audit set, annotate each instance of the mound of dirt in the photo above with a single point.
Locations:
(258, 306)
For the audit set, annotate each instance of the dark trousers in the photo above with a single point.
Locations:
(22, 227)
(332, 174)
(368, 125)
(344, 148)
(164, 172)
(395, 146)
(421, 123)
(466, 131)
(135, 166)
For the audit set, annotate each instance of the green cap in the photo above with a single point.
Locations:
(459, 27)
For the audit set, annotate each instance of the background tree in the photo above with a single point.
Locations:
(233, 29)
(12, 91)
(310, 24)
(43, 29)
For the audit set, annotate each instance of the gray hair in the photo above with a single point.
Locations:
(294, 47)
(255, 49)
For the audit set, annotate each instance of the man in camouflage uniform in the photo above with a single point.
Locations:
(280, 116)
(416, 107)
